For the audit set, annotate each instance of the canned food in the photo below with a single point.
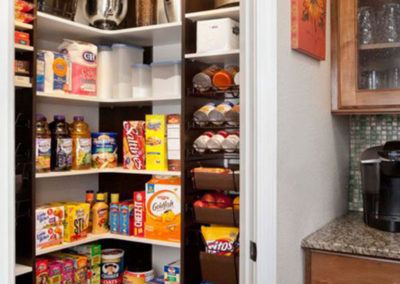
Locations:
(104, 150)
(200, 144)
(215, 143)
(217, 115)
(231, 143)
(112, 266)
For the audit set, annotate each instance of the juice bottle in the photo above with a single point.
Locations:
(100, 215)
(43, 144)
(81, 144)
(61, 145)
(91, 201)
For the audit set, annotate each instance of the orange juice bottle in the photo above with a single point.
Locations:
(81, 144)
(100, 215)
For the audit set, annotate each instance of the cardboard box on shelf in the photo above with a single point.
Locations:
(49, 216)
(174, 142)
(139, 217)
(156, 143)
(76, 224)
(172, 273)
(50, 236)
(134, 145)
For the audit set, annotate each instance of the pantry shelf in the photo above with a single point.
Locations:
(233, 13)
(55, 28)
(226, 57)
(22, 269)
(108, 236)
(21, 47)
(118, 170)
(21, 85)
(96, 101)
(23, 26)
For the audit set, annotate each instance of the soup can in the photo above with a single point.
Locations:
(112, 266)
(104, 150)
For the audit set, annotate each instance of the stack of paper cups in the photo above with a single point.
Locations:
(104, 73)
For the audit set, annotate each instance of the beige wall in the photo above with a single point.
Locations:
(313, 150)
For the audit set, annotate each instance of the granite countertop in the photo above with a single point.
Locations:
(350, 235)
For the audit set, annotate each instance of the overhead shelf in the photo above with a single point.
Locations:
(23, 26)
(22, 269)
(93, 238)
(233, 13)
(230, 56)
(118, 170)
(95, 101)
(21, 85)
(56, 28)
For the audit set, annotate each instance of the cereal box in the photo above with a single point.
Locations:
(80, 261)
(174, 142)
(172, 273)
(139, 217)
(76, 221)
(92, 252)
(55, 276)
(50, 236)
(156, 143)
(94, 273)
(163, 209)
(114, 218)
(49, 216)
(67, 270)
(134, 145)
(42, 270)
(124, 218)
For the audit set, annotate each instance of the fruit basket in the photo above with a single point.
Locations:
(219, 216)
(222, 180)
(219, 268)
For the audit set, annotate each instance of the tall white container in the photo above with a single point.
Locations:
(166, 79)
(123, 57)
(141, 81)
(104, 72)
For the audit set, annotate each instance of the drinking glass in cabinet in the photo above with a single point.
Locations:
(367, 23)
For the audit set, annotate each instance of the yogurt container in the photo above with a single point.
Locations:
(104, 150)
(112, 266)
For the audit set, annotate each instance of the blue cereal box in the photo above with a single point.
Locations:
(124, 213)
(172, 273)
(114, 218)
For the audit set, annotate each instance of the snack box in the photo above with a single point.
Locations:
(134, 145)
(174, 142)
(49, 216)
(21, 38)
(124, 209)
(67, 269)
(55, 276)
(114, 218)
(94, 275)
(92, 252)
(80, 276)
(172, 273)
(42, 270)
(156, 143)
(138, 217)
(163, 209)
(50, 236)
(80, 261)
(76, 225)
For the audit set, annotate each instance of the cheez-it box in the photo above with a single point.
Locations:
(134, 145)
(139, 216)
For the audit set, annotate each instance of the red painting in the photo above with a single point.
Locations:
(309, 27)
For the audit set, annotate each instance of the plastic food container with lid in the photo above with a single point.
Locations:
(123, 57)
(104, 72)
(141, 81)
(166, 79)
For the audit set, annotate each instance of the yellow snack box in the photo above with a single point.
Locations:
(163, 209)
(156, 143)
(76, 224)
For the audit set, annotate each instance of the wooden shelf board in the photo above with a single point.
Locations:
(22, 47)
(379, 46)
(118, 170)
(230, 56)
(23, 26)
(93, 238)
(55, 28)
(20, 85)
(232, 12)
(22, 269)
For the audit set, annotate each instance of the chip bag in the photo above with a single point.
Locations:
(220, 240)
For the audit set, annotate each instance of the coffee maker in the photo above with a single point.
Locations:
(380, 173)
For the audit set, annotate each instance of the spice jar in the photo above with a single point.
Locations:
(146, 12)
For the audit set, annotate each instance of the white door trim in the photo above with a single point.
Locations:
(7, 148)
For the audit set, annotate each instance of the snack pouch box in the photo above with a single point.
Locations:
(134, 145)
(82, 71)
(42, 270)
(80, 261)
(156, 143)
(76, 225)
(52, 69)
(50, 236)
(55, 276)
(138, 214)
(92, 252)
(124, 209)
(114, 218)
(49, 216)
(172, 273)
(67, 269)
(163, 209)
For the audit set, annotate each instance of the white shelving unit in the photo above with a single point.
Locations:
(20, 85)
(233, 13)
(23, 26)
(225, 57)
(23, 47)
(93, 238)
(118, 170)
(53, 28)
(22, 269)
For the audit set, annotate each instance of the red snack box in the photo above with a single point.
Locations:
(42, 270)
(139, 216)
(21, 38)
(134, 145)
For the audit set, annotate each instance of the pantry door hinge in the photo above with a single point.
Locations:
(253, 251)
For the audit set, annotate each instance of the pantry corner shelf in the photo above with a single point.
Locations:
(108, 236)
(232, 12)
(21, 47)
(96, 101)
(21, 85)
(23, 26)
(118, 170)
(21, 269)
(229, 56)
(56, 28)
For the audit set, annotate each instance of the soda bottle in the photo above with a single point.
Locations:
(81, 144)
(43, 144)
(61, 145)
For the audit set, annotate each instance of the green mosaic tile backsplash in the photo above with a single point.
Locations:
(366, 132)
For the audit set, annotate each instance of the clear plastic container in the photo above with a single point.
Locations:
(141, 81)
(123, 57)
(166, 78)
(104, 72)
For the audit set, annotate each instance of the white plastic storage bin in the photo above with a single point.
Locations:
(123, 57)
(141, 81)
(217, 35)
(104, 72)
(166, 77)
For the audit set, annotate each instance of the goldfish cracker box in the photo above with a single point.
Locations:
(76, 224)
(134, 145)
(163, 209)
(156, 143)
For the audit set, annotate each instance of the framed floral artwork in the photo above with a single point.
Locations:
(309, 27)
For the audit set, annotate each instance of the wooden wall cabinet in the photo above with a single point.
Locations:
(365, 56)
